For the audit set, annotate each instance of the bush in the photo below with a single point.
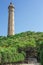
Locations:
(41, 57)
(12, 48)
(11, 55)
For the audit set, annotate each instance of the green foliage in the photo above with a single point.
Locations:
(11, 45)
(41, 57)
(11, 55)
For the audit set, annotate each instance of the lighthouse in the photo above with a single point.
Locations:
(11, 9)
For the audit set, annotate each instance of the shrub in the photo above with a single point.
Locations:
(41, 57)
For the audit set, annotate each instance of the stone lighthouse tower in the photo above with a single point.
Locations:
(11, 19)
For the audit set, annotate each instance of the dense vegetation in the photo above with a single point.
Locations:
(41, 57)
(11, 46)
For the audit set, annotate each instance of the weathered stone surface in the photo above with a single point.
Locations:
(31, 64)
(25, 64)
(11, 19)
(32, 60)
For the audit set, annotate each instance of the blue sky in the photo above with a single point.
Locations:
(28, 16)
